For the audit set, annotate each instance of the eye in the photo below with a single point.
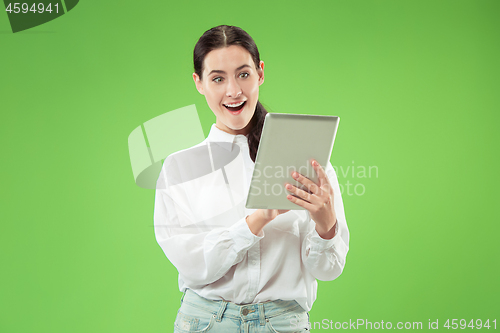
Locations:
(217, 79)
(244, 75)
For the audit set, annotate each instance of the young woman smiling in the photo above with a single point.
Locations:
(242, 270)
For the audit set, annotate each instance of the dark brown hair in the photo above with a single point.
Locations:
(224, 36)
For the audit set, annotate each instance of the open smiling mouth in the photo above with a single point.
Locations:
(235, 106)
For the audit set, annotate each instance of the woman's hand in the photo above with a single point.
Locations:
(258, 220)
(270, 214)
(319, 202)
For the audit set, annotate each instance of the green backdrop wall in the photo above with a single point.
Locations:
(415, 83)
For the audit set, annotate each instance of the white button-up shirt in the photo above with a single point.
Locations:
(200, 225)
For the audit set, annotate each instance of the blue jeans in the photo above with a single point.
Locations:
(198, 314)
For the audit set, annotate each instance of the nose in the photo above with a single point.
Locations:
(233, 89)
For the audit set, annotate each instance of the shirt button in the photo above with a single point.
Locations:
(254, 262)
(245, 311)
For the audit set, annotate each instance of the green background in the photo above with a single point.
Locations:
(416, 84)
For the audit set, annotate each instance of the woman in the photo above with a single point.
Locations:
(242, 269)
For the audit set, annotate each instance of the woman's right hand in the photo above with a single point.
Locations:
(258, 219)
(270, 214)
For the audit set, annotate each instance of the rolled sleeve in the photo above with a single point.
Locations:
(242, 236)
(320, 244)
(325, 258)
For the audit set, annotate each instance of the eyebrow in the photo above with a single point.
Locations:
(222, 72)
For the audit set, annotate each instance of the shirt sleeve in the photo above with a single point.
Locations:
(201, 252)
(325, 258)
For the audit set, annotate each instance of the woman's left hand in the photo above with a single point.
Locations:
(319, 202)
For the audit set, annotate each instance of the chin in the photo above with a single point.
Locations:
(237, 128)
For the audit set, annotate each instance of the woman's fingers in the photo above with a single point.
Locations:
(300, 202)
(322, 177)
(318, 201)
(309, 197)
(309, 184)
(319, 194)
(271, 214)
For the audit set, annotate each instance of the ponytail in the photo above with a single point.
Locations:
(256, 131)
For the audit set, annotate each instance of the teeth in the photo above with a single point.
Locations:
(235, 105)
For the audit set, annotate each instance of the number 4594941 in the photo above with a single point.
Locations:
(25, 8)
(462, 324)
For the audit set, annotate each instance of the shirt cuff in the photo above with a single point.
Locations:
(320, 244)
(242, 236)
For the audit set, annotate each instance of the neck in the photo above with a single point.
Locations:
(244, 131)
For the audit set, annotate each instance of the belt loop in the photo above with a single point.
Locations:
(262, 317)
(183, 294)
(222, 309)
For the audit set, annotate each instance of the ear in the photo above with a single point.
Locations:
(260, 71)
(197, 82)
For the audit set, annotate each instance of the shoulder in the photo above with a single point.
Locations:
(181, 164)
(330, 170)
(197, 161)
(185, 153)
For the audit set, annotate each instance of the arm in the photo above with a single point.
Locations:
(324, 255)
(201, 252)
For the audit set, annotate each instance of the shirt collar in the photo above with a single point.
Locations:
(218, 135)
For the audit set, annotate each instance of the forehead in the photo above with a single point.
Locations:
(227, 59)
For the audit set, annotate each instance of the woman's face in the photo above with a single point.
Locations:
(230, 83)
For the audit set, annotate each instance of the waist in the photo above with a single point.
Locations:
(267, 309)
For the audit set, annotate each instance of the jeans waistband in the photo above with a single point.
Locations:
(247, 312)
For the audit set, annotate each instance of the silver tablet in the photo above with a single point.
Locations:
(288, 143)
